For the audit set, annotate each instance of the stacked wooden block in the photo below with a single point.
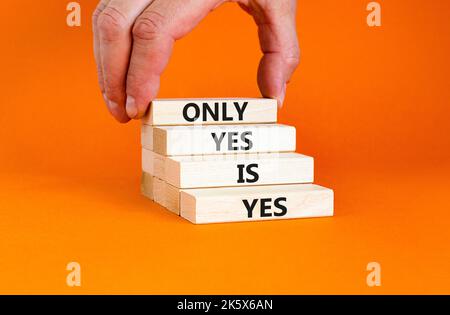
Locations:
(227, 160)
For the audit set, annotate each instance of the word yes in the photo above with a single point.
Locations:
(265, 204)
(232, 140)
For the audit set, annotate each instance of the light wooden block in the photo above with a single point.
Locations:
(159, 191)
(148, 161)
(172, 198)
(237, 170)
(231, 204)
(153, 163)
(191, 140)
(211, 111)
(166, 195)
(147, 185)
(147, 137)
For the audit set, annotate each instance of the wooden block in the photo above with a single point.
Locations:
(148, 161)
(238, 170)
(153, 163)
(231, 204)
(172, 198)
(190, 140)
(147, 137)
(147, 185)
(159, 191)
(211, 111)
(167, 195)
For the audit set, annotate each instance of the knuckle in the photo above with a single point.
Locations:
(98, 10)
(148, 26)
(95, 16)
(292, 57)
(111, 24)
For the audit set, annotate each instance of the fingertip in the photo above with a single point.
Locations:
(118, 112)
(123, 119)
(282, 96)
(134, 109)
(272, 78)
(131, 108)
(140, 114)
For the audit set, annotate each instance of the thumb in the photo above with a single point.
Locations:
(278, 39)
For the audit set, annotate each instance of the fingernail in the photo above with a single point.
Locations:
(112, 106)
(282, 96)
(131, 107)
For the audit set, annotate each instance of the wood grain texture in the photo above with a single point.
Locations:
(232, 204)
(153, 163)
(147, 137)
(211, 111)
(161, 192)
(237, 170)
(172, 198)
(147, 185)
(219, 139)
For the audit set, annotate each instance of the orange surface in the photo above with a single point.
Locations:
(370, 104)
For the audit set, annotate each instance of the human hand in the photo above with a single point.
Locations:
(133, 41)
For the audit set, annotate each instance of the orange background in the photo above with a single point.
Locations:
(370, 104)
